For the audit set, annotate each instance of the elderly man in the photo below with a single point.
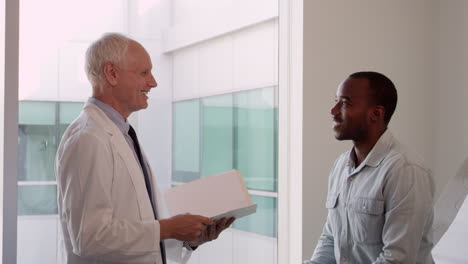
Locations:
(108, 201)
(380, 198)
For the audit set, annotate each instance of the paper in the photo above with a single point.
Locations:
(216, 196)
(451, 247)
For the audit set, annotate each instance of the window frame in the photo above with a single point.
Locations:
(10, 13)
(290, 116)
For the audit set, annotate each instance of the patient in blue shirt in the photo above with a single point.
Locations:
(380, 196)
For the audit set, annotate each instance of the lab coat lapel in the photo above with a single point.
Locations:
(123, 149)
(136, 175)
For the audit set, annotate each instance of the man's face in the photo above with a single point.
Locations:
(135, 80)
(351, 110)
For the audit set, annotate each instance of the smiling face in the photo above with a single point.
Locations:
(352, 110)
(133, 81)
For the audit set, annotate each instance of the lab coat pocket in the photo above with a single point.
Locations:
(366, 217)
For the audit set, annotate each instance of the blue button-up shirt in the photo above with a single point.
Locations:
(380, 211)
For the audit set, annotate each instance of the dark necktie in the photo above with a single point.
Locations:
(132, 134)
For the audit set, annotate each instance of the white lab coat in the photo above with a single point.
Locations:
(103, 205)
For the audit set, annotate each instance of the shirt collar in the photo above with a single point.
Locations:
(112, 114)
(378, 152)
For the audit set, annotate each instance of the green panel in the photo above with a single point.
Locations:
(39, 135)
(217, 147)
(256, 138)
(37, 199)
(186, 141)
(36, 113)
(264, 221)
(36, 152)
(69, 111)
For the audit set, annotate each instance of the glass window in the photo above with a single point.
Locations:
(256, 138)
(234, 75)
(37, 199)
(36, 113)
(237, 130)
(41, 126)
(186, 141)
(264, 220)
(68, 111)
(36, 141)
(218, 135)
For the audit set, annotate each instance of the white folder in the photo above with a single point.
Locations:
(216, 196)
(450, 249)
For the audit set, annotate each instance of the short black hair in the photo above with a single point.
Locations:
(383, 91)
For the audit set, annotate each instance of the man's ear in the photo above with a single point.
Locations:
(377, 113)
(110, 73)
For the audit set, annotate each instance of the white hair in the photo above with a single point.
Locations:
(111, 47)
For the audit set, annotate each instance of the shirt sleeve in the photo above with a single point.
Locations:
(85, 174)
(324, 252)
(409, 195)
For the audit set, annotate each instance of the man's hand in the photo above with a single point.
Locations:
(184, 227)
(212, 231)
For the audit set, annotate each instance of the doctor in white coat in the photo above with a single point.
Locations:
(107, 198)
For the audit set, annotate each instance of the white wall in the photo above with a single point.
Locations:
(342, 37)
(37, 239)
(197, 21)
(242, 60)
(451, 108)
(451, 134)
(52, 58)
